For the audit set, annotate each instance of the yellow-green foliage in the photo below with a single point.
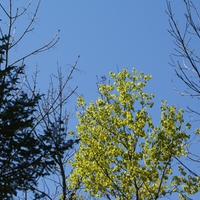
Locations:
(122, 153)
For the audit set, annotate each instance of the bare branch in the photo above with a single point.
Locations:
(187, 70)
(27, 29)
(45, 47)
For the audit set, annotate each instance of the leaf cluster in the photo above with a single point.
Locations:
(122, 153)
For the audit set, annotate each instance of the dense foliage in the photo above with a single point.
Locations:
(122, 153)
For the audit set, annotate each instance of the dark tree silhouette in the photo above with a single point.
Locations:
(22, 158)
(33, 126)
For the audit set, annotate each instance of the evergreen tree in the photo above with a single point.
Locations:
(22, 160)
(33, 126)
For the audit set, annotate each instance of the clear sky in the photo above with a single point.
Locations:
(108, 35)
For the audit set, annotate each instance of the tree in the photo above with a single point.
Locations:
(22, 158)
(122, 154)
(53, 121)
(33, 143)
(185, 61)
(186, 58)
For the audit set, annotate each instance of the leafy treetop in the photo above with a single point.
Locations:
(122, 154)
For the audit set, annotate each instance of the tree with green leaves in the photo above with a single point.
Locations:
(123, 154)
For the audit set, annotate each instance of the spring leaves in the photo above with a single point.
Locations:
(122, 153)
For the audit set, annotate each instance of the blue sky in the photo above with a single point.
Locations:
(108, 35)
